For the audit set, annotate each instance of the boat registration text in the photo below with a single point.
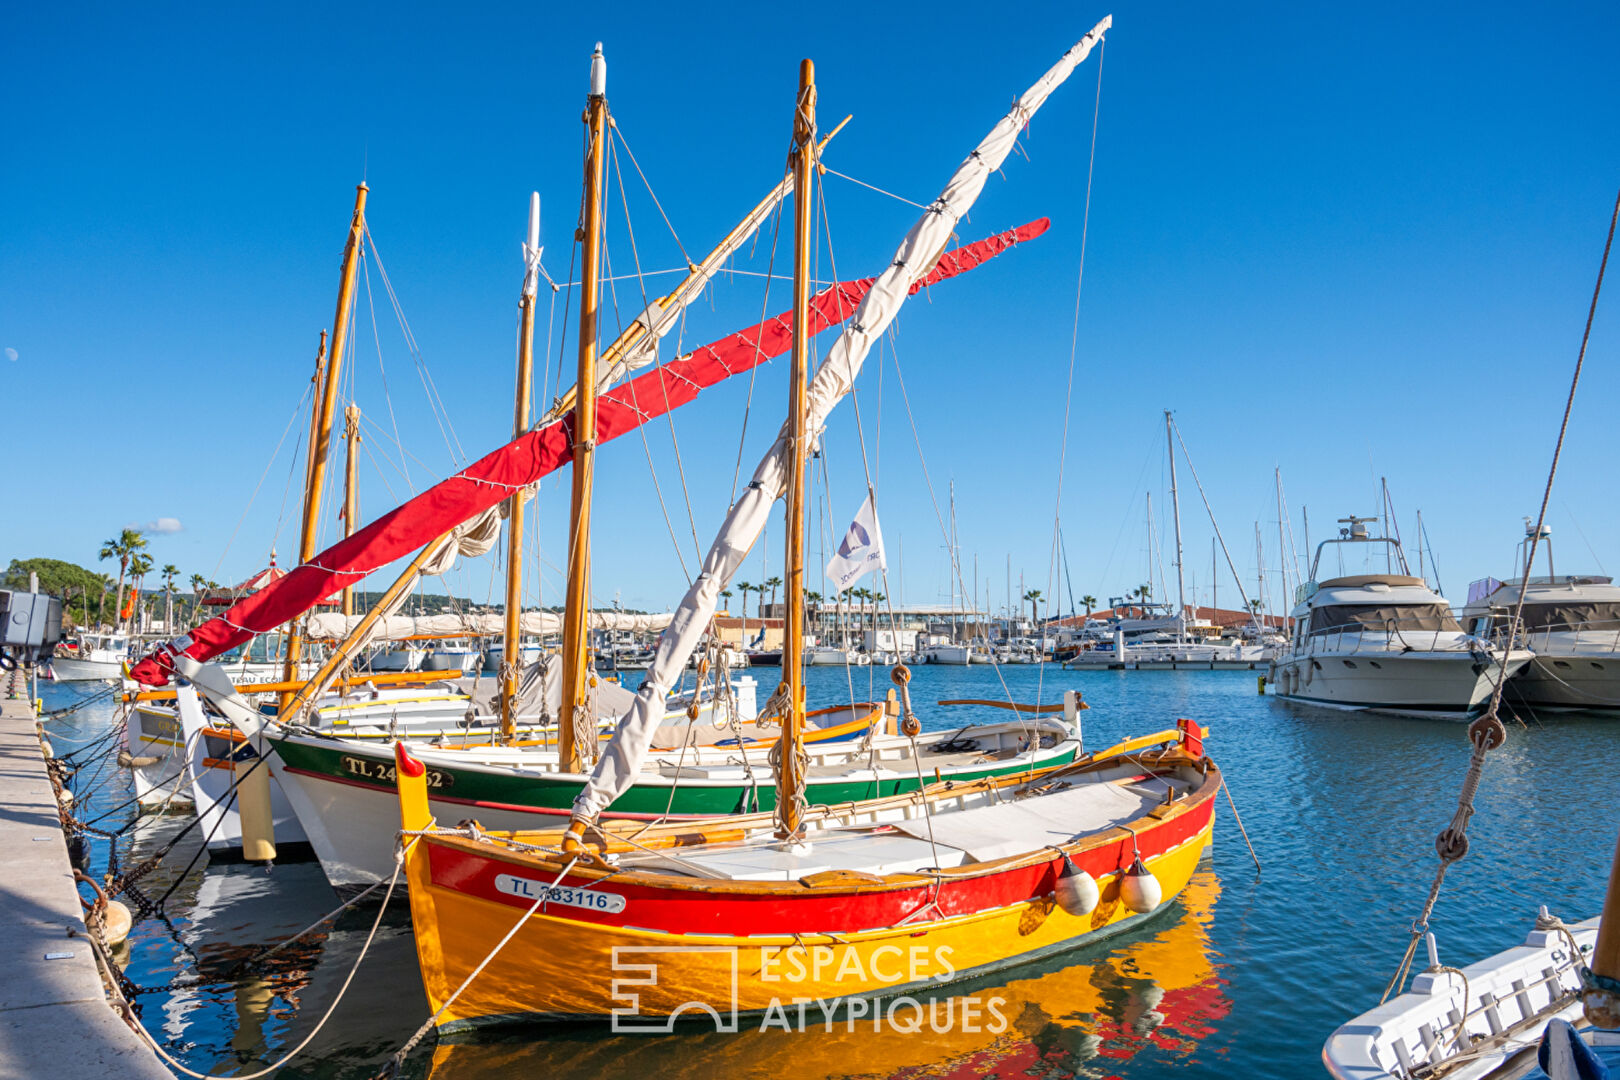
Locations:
(529, 889)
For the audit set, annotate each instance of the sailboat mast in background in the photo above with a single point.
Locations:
(1175, 513)
(512, 654)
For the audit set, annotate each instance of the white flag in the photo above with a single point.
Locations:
(862, 549)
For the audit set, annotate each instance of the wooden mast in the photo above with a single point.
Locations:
(512, 654)
(320, 445)
(789, 779)
(576, 617)
(1601, 996)
(351, 489)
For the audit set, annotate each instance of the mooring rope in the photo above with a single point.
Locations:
(1488, 732)
(398, 1060)
(140, 1029)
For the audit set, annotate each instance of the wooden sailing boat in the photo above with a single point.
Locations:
(744, 914)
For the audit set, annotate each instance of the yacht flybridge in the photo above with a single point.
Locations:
(1385, 642)
(1570, 621)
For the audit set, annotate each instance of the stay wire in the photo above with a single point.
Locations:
(1068, 391)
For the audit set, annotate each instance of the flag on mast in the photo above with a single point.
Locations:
(861, 551)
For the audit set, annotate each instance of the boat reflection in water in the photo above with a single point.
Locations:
(1157, 987)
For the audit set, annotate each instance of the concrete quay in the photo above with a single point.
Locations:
(55, 1019)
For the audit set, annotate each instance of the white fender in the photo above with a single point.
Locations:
(1139, 890)
(1077, 892)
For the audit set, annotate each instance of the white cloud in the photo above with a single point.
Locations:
(11, 354)
(162, 525)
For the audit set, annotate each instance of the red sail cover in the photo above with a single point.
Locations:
(526, 459)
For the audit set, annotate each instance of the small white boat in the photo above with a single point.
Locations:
(826, 656)
(99, 656)
(528, 653)
(1466, 1026)
(404, 658)
(464, 659)
(960, 655)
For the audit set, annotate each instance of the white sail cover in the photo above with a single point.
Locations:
(329, 626)
(621, 759)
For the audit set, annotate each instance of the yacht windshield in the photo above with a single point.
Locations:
(1572, 616)
(1385, 617)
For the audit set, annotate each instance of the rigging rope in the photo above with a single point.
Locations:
(1488, 732)
(297, 411)
(1068, 391)
(435, 402)
(382, 371)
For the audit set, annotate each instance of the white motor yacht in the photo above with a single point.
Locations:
(1385, 642)
(1570, 622)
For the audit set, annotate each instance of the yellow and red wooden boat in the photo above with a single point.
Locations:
(877, 900)
(1158, 993)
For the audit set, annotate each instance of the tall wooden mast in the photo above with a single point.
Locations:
(321, 444)
(576, 617)
(512, 654)
(351, 489)
(789, 779)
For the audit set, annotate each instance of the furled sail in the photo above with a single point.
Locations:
(528, 458)
(331, 626)
(621, 761)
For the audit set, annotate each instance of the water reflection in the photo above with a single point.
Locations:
(1157, 987)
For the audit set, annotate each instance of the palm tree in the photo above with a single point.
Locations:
(746, 587)
(726, 595)
(169, 571)
(772, 583)
(1034, 598)
(122, 547)
(101, 599)
(140, 564)
(197, 583)
(1090, 602)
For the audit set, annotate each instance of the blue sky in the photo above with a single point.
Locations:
(1352, 243)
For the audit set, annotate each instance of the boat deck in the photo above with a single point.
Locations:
(980, 827)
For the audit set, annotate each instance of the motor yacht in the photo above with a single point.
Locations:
(1571, 622)
(1385, 642)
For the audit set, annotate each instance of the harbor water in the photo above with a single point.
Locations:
(1244, 975)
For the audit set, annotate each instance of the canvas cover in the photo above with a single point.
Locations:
(1384, 617)
(1013, 828)
(335, 627)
